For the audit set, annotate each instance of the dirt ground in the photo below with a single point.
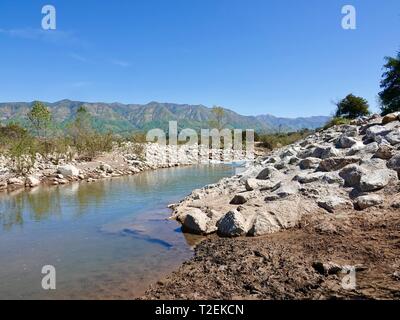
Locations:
(283, 265)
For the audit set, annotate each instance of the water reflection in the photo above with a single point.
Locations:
(107, 239)
(42, 203)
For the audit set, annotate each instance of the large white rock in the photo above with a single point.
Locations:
(368, 201)
(264, 223)
(32, 181)
(233, 224)
(376, 179)
(256, 184)
(197, 221)
(69, 170)
(334, 203)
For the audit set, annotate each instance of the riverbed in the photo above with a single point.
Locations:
(107, 240)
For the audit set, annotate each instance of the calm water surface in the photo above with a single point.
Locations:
(107, 240)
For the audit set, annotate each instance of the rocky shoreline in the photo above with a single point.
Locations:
(121, 161)
(313, 213)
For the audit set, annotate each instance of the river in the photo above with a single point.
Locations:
(107, 240)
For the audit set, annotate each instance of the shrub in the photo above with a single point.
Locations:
(336, 121)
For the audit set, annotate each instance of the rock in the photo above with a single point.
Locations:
(309, 163)
(233, 224)
(384, 152)
(240, 199)
(367, 201)
(376, 131)
(254, 184)
(287, 189)
(390, 118)
(393, 137)
(69, 170)
(197, 221)
(15, 181)
(328, 268)
(334, 203)
(376, 180)
(32, 181)
(332, 178)
(305, 178)
(325, 152)
(267, 173)
(394, 163)
(337, 163)
(106, 167)
(346, 142)
(264, 223)
(3, 185)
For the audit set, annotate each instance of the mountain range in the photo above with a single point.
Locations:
(122, 118)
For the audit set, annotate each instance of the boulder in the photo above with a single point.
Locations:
(196, 221)
(394, 163)
(390, 117)
(16, 181)
(69, 170)
(393, 137)
(309, 163)
(346, 142)
(232, 224)
(305, 178)
(337, 163)
(264, 223)
(267, 173)
(32, 181)
(255, 184)
(287, 189)
(376, 179)
(334, 203)
(240, 198)
(367, 201)
(375, 131)
(384, 152)
(3, 184)
(325, 152)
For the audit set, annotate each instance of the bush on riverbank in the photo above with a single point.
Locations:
(278, 140)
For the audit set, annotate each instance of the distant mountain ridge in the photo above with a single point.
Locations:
(120, 117)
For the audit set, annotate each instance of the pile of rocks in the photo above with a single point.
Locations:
(341, 169)
(126, 159)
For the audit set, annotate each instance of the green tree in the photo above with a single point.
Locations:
(81, 127)
(390, 96)
(219, 115)
(352, 107)
(40, 119)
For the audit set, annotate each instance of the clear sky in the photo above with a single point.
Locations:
(283, 57)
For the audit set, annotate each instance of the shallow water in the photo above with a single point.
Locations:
(109, 239)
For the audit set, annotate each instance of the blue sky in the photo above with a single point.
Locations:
(283, 57)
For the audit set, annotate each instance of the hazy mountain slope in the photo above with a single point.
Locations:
(127, 117)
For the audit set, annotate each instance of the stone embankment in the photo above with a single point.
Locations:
(128, 159)
(341, 170)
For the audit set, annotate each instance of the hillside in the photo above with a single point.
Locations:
(129, 117)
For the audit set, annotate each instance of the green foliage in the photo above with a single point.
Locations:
(219, 115)
(390, 96)
(278, 140)
(352, 107)
(336, 121)
(40, 119)
(23, 153)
